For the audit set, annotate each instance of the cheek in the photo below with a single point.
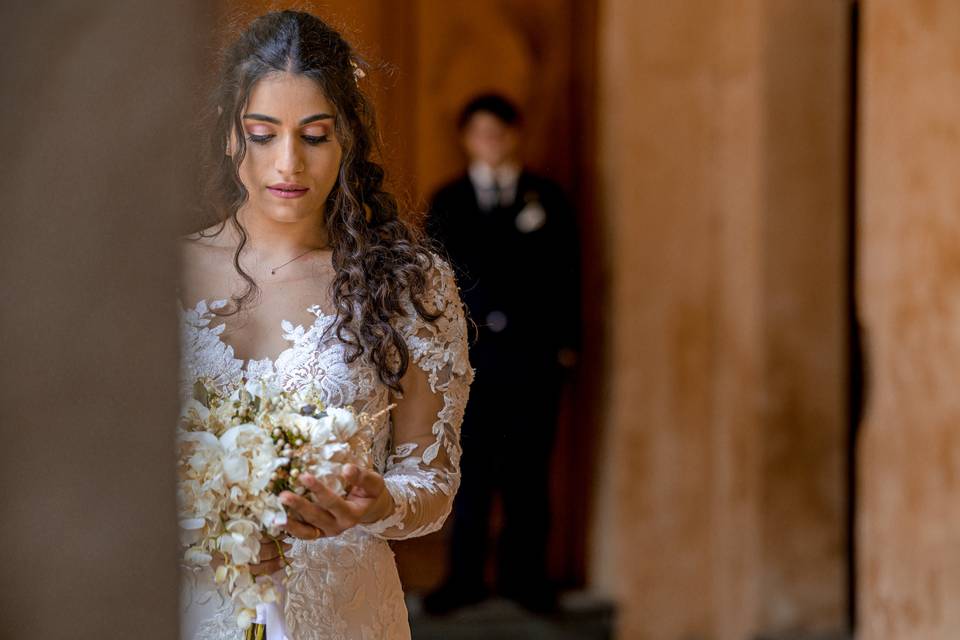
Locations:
(251, 167)
(474, 146)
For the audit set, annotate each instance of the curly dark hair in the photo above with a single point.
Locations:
(378, 258)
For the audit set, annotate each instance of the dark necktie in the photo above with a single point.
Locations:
(493, 195)
(497, 195)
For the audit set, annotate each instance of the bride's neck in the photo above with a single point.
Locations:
(269, 239)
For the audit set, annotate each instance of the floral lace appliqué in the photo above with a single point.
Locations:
(347, 586)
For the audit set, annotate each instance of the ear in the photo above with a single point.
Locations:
(230, 143)
(228, 150)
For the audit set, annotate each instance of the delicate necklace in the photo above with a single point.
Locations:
(274, 270)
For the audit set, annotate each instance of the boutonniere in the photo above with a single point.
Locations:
(532, 216)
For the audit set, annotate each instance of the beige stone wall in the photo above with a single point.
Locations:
(909, 520)
(95, 114)
(805, 309)
(721, 508)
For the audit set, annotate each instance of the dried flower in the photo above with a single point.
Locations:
(234, 456)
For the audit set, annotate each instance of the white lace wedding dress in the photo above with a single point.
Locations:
(347, 586)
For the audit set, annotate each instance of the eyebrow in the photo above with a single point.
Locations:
(307, 120)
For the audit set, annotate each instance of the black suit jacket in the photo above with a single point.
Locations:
(518, 268)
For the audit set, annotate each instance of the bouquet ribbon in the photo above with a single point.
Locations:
(270, 615)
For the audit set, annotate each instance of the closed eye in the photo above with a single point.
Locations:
(263, 139)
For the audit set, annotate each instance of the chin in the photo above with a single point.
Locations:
(291, 214)
(279, 214)
(287, 212)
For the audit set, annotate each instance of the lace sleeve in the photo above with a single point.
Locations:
(423, 472)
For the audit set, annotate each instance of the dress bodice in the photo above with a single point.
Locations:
(315, 357)
(347, 586)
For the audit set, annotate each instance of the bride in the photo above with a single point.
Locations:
(308, 272)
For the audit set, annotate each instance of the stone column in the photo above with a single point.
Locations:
(96, 114)
(722, 173)
(909, 520)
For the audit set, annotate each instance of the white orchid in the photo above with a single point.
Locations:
(197, 556)
(344, 423)
(236, 451)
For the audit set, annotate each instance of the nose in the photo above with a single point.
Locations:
(289, 156)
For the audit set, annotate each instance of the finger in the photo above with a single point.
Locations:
(327, 499)
(364, 481)
(351, 473)
(271, 549)
(309, 513)
(307, 510)
(306, 531)
(322, 494)
(266, 568)
(369, 487)
(272, 540)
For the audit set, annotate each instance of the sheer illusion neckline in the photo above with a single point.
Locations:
(298, 331)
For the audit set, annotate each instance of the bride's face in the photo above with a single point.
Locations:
(293, 155)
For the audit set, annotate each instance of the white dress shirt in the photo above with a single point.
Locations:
(490, 183)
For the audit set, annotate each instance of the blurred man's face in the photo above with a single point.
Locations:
(488, 139)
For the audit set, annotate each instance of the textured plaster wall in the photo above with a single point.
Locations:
(909, 517)
(721, 507)
(95, 113)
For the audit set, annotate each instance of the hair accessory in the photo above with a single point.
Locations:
(357, 72)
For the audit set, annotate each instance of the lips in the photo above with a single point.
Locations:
(287, 190)
(287, 186)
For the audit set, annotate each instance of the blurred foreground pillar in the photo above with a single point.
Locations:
(97, 168)
(909, 472)
(722, 511)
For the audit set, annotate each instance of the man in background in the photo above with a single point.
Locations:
(511, 237)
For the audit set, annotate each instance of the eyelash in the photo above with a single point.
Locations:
(314, 140)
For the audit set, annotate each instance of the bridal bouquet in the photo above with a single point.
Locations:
(235, 453)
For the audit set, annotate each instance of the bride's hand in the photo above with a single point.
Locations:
(323, 513)
(271, 559)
